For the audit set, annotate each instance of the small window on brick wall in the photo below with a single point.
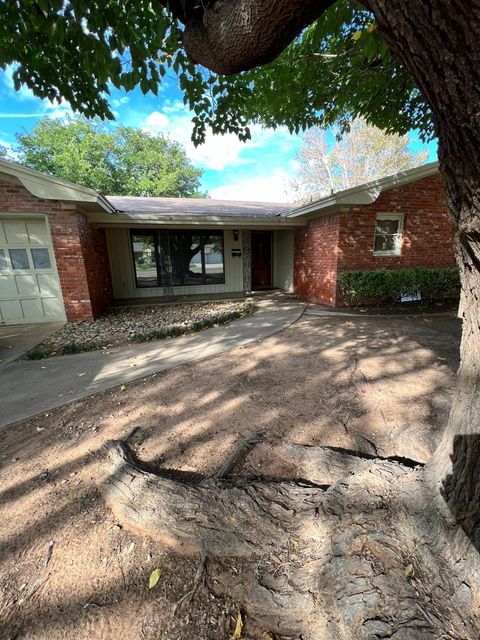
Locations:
(388, 234)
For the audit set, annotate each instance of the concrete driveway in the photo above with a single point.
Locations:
(15, 340)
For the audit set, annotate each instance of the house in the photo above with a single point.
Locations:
(67, 252)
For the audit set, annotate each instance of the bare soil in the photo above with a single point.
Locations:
(378, 384)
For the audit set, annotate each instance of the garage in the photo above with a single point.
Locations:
(29, 286)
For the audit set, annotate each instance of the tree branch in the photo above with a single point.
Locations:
(237, 35)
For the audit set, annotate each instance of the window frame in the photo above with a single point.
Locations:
(155, 232)
(400, 217)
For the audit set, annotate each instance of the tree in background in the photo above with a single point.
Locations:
(362, 154)
(116, 160)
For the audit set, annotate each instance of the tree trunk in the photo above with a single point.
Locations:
(438, 42)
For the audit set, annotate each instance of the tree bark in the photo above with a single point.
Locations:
(438, 42)
(235, 35)
(329, 561)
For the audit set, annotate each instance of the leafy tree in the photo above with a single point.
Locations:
(117, 161)
(363, 154)
(400, 64)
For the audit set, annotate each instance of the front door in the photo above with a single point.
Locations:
(261, 260)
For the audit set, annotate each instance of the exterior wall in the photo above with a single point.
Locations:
(427, 231)
(74, 256)
(123, 279)
(283, 244)
(315, 260)
(97, 266)
(344, 242)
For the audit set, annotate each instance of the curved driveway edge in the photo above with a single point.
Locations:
(30, 387)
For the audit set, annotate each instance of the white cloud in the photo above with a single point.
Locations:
(118, 102)
(218, 151)
(270, 188)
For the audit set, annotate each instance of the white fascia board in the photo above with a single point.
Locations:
(365, 193)
(126, 220)
(51, 188)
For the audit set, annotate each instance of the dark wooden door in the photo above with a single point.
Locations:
(261, 259)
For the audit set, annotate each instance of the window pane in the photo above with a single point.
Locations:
(3, 259)
(214, 271)
(387, 226)
(143, 246)
(19, 258)
(197, 258)
(186, 256)
(41, 258)
(386, 243)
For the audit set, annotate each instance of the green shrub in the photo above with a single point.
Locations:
(35, 354)
(71, 347)
(388, 285)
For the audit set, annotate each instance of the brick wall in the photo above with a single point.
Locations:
(344, 242)
(79, 250)
(97, 266)
(315, 260)
(427, 230)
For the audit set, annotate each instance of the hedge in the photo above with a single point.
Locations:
(388, 285)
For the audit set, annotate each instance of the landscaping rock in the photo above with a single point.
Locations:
(138, 324)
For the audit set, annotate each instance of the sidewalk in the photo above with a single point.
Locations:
(30, 387)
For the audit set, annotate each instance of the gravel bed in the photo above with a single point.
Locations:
(139, 324)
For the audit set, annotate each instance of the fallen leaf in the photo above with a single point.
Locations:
(46, 415)
(238, 628)
(409, 571)
(123, 387)
(130, 548)
(267, 636)
(154, 578)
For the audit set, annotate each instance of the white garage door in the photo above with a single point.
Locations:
(29, 286)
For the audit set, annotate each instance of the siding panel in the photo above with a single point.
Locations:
(121, 264)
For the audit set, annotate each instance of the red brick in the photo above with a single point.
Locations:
(344, 242)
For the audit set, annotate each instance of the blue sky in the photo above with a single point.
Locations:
(260, 169)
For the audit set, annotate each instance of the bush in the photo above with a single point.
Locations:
(388, 285)
(35, 354)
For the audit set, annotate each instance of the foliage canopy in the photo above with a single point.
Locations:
(117, 161)
(339, 68)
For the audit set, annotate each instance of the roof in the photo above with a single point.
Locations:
(364, 193)
(196, 211)
(192, 207)
(49, 187)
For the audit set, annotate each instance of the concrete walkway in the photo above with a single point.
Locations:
(31, 387)
(15, 340)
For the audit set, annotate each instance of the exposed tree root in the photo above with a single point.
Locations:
(353, 553)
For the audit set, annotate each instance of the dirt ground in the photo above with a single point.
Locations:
(378, 384)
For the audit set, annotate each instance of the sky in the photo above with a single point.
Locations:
(260, 169)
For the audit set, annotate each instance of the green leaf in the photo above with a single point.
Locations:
(154, 578)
